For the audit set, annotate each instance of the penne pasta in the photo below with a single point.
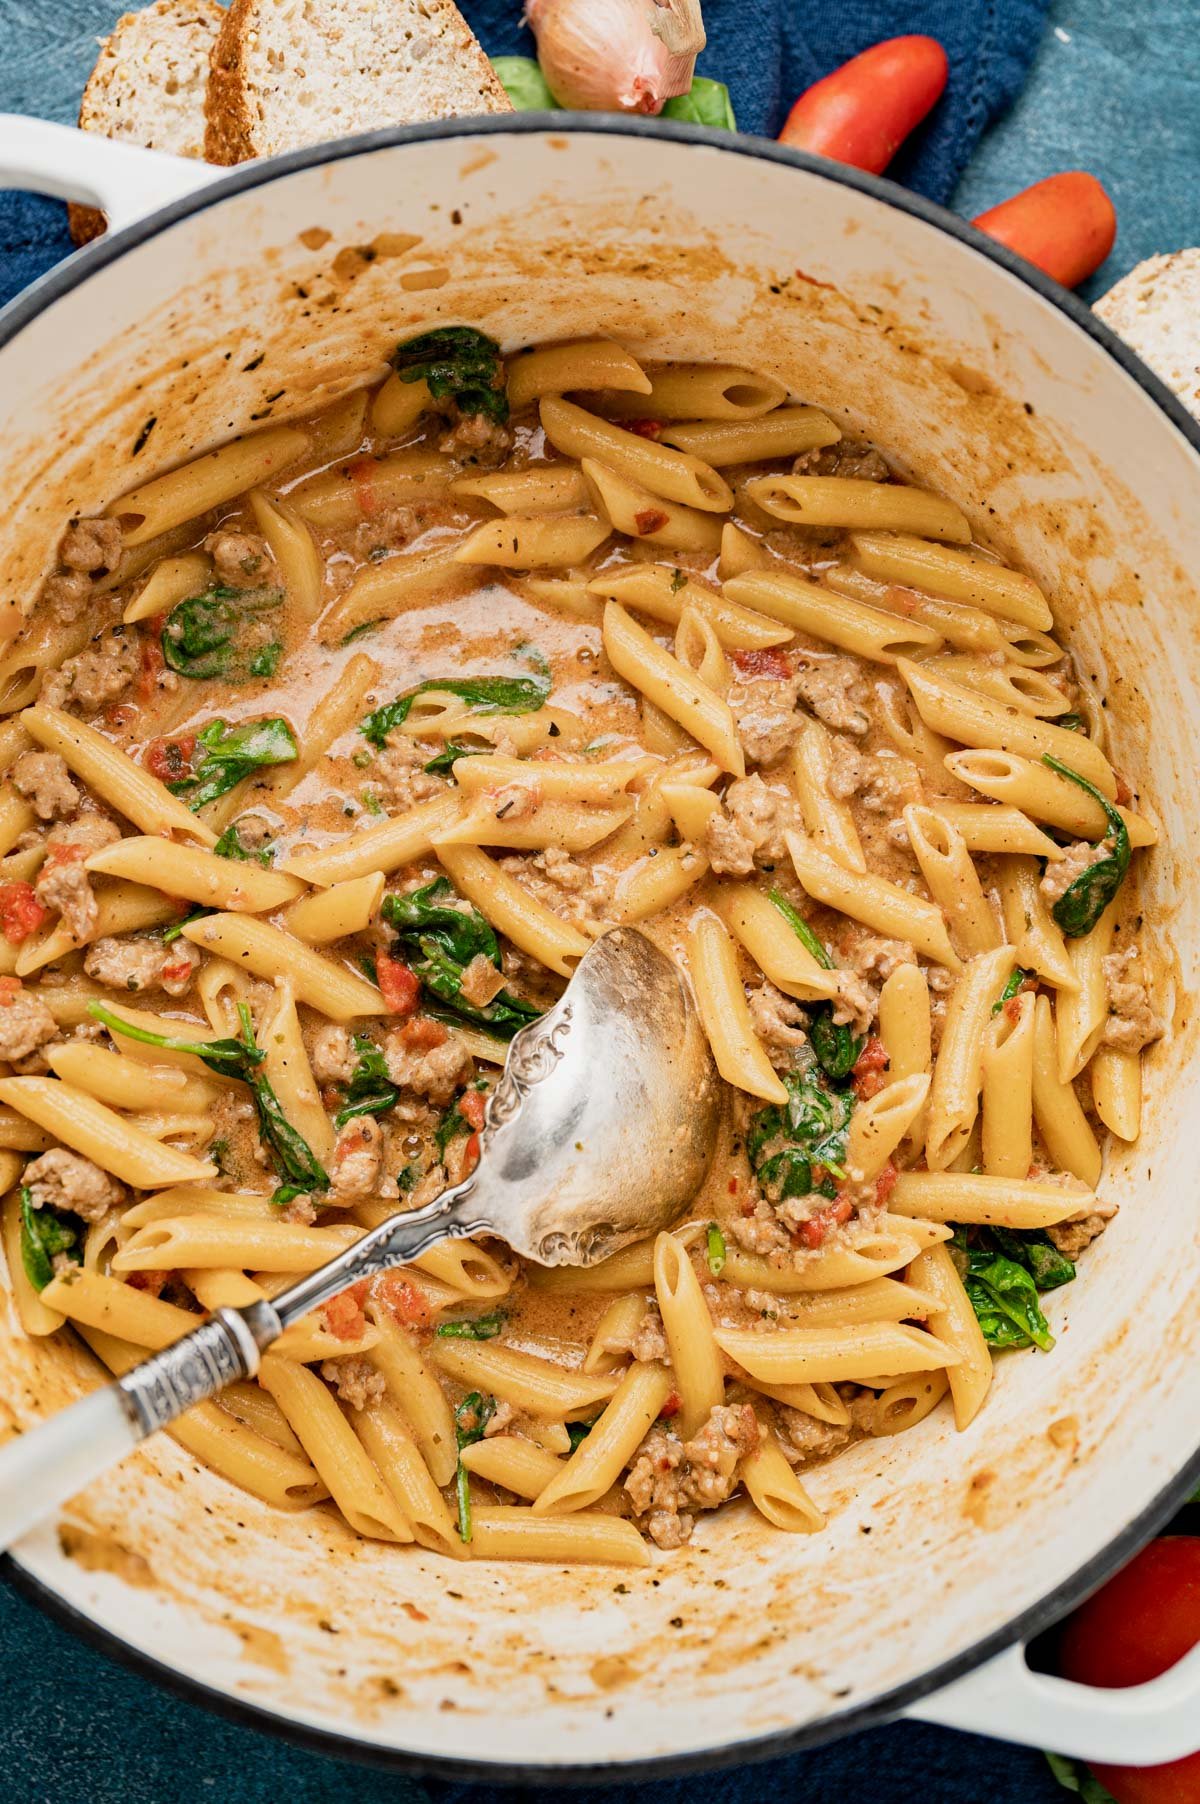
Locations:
(976, 1197)
(667, 683)
(809, 608)
(959, 575)
(115, 778)
(739, 1053)
(196, 874)
(647, 518)
(874, 901)
(849, 501)
(111, 1142)
(785, 432)
(590, 363)
(269, 952)
(207, 482)
(672, 475)
(534, 544)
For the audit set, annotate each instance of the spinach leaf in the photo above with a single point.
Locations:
(799, 1147)
(1034, 1250)
(470, 1420)
(578, 1432)
(442, 765)
(837, 1049)
(706, 103)
(370, 1090)
(1016, 982)
(714, 1245)
(1084, 901)
(293, 1158)
(480, 1327)
(44, 1235)
(522, 80)
(231, 753)
(1074, 723)
(440, 935)
(223, 633)
(453, 1124)
(1074, 1776)
(1005, 1299)
(407, 1176)
(486, 695)
(230, 845)
(460, 364)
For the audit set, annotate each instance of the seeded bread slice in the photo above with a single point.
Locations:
(1155, 309)
(291, 72)
(148, 86)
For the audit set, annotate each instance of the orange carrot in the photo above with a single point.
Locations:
(1065, 225)
(862, 113)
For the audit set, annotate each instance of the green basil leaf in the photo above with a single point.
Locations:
(706, 103)
(294, 1158)
(1085, 900)
(486, 695)
(837, 1049)
(440, 935)
(221, 633)
(522, 80)
(44, 1235)
(443, 764)
(470, 1420)
(792, 1148)
(801, 929)
(460, 364)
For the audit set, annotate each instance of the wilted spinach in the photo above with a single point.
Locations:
(223, 632)
(370, 1090)
(440, 935)
(798, 1147)
(231, 845)
(470, 1421)
(1017, 979)
(460, 364)
(479, 1327)
(44, 1235)
(225, 754)
(837, 1049)
(1003, 1272)
(486, 695)
(1085, 900)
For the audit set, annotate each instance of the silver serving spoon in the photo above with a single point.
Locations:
(599, 1133)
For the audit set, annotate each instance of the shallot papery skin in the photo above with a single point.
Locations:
(625, 56)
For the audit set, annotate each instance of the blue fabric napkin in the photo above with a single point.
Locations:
(768, 51)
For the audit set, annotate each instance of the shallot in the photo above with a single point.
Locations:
(627, 56)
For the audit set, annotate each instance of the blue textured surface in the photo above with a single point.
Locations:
(1113, 90)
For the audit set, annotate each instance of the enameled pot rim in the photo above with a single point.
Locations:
(74, 272)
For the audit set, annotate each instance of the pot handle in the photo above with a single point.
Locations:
(1140, 1725)
(122, 180)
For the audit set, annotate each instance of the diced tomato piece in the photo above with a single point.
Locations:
(733, 1186)
(643, 428)
(470, 1158)
(885, 1183)
(423, 1033)
(10, 988)
(20, 912)
(151, 1282)
(763, 661)
(399, 985)
(362, 474)
(170, 760)
(651, 519)
(403, 1300)
(471, 1106)
(344, 1317)
(152, 665)
(671, 1407)
(869, 1067)
(1124, 793)
(816, 1229)
(176, 972)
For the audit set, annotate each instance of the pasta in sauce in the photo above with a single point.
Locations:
(327, 757)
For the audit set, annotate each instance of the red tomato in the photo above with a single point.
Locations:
(813, 1231)
(403, 1300)
(651, 519)
(170, 760)
(20, 912)
(399, 986)
(763, 661)
(643, 428)
(152, 664)
(423, 1033)
(362, 474)
(10, 989)
(862, 113)
(671, 1407)
(1065, 225)
(344, 1317)
(1143, 1621)
(868, 1072)
(471, 1106)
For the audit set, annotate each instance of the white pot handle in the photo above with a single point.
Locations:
(1142, 1725)
(123, 181)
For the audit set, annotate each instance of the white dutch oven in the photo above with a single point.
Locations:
(245, 300)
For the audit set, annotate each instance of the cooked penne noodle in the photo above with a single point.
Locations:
(207, 482)
(1064, 1128)
(113, 776)
(701, 391)
(1034, 935)
(878, 1300)
(1007, 1090)
(415, 1392)
(512, 909)
(850, 501)
(906, 1031)
(390, 1445)
(985, 827)
(688, 1327)
(647, 518)
(1042, 795)
(549, 781)
(513, 1463)
(632, 1269)
(740, 553)
(125, 1084)
(589, 363)
(758, 925)
(171, 582)
(611, 1337)
(953, 1322)
(335, 1450)
(874, 901)
(289, 1073)
(269, 952)
(384, 848)
(969, 629)
(370, 486)
(835, 1355)
(540, 489)
(667, 683)
(398, 405)
(952, 879)
(775, 1490)
(534, 1385)
(534, 544)
(222, 1240)
(880, 1123)
(785, 432)
(1013, 685)
(664, 592)
(673, 475)
(903, 1404)
(110, 1141)
(510, 1532)
(976, 1197)
(382, 590)
(808, 608)
(493, 821)
(603, 1454)
(332, 914)
(1081, 1013)
(740, 1055)
(1116, 1077)
(958, 1073)
(827, 818)
(958, 575)
(296, 556)
(196, 874)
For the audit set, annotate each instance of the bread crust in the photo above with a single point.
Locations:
(229, 131)
(1154, 310)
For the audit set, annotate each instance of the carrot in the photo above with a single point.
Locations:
(1065, 225)
(862, 113)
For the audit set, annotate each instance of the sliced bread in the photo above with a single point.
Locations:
(1155, 308)
(148, 86)
(286, 73)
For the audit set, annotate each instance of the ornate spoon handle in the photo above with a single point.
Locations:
(42, 1468)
